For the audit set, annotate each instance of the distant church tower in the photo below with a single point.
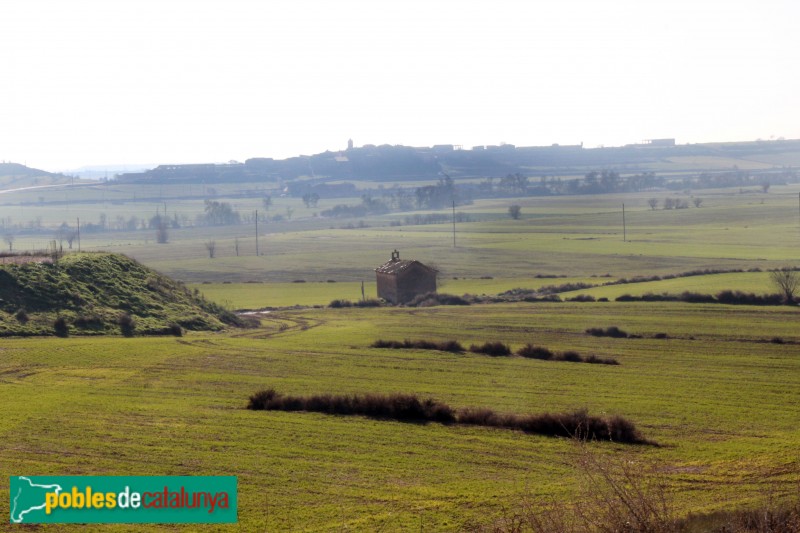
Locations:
(350, 144)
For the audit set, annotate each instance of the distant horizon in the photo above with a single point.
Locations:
(99, 168)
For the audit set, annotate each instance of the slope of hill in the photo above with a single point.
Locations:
(16, 176)
(99, 293)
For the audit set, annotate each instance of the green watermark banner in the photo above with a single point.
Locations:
(122, 499)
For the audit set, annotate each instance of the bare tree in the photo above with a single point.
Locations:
(697, 202)
(765, 187)
(514, 211)
(9, 238)
(211, 246)
(71, 236)
(653, 203)
(787, 281)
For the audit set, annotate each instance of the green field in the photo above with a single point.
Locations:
(576, 236)
(719, 393)
(263, 295)
(751, 282)
(714, 394)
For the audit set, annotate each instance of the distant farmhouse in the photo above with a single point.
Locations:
(401, 280)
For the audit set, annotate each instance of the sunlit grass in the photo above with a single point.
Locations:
(716, 393)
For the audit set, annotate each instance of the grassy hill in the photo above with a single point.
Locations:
(94, 293)
(16, 176)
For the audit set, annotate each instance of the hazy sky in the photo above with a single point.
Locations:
(87, 82)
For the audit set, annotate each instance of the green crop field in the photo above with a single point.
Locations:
(718, 390)
(754, 282)
(571, 236)
(715, 394)
(262, 295)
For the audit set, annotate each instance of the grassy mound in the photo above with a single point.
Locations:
(100, 293)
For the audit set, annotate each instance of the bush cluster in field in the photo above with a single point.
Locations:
(338, 304)
(496, 349)
(723, 297)
(570, 356)
(443, 346)
(552, 290)
(611, 331)
(433, 298)
(410, 408)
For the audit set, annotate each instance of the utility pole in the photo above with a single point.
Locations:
(257, 232)
(79, 234)
(624, 227)
(454, 223)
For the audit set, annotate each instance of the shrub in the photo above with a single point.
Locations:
(611, 331)
(565, 287)
(60, 327)
(495, 349)
(450, 346)
(535, 352)
(409, 408)
(338, 304)
(743, 298)
(127, 324)
(22, 316)
(595, 360)
(545, 298)
(582, 298)
(482, 416)
(431, 298)
(89, 322)
(663, 297)
(444, 346)
(175, 330)
(380, 343)
(696, 297)
(402, 407)
(370, 302)
(262, 400)
(571, 357)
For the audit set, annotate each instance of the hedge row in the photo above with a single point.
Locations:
(410, 408)
(496, 349)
